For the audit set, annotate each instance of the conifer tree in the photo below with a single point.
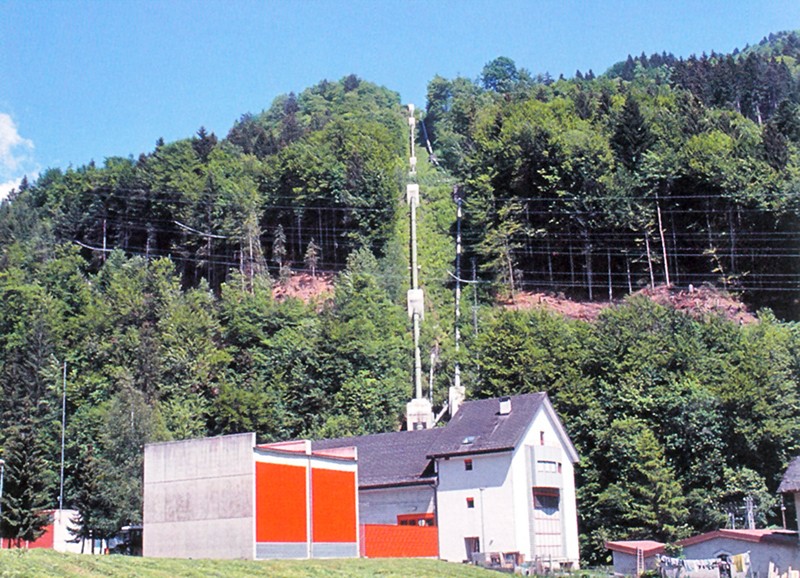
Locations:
(26, 485)
(631, 137)
(312, 257)
(204, 143)
(279, 247)
(96, 514)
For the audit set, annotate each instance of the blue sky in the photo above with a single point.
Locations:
(84, 80)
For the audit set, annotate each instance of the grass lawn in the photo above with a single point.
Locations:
(46, 563)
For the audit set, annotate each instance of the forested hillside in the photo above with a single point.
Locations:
(151, 280)
(662, 171)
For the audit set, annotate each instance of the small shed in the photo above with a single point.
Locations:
(632, 557)
(765, 545)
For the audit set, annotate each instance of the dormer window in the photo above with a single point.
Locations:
(467, 440)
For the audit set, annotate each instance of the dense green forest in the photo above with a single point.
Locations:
(151, 281)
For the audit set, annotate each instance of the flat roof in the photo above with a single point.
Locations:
(648, 547)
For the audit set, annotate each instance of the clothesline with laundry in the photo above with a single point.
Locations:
(737, 567)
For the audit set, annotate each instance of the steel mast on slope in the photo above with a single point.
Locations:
(419, 412)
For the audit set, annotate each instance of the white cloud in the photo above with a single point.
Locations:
(7, 187)
(14, 150)
(16, 155)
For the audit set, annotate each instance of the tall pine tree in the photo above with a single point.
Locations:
(631, 137)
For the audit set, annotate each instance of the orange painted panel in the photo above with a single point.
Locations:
(334, 505)
(387, 541)
(280, 503)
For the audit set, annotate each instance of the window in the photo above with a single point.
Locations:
(547, 467)
(546, 517)
(546, 499)
(541, 438)
(470, 502)
(426, 519)
(468, 465)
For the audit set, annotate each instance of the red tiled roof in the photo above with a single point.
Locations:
(762, 535)
(648, 547)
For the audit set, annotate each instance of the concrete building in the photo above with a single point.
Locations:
(227, 497)
(499, 477)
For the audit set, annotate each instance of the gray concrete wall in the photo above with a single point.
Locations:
(381, 506)
(199, 498)
(761, 553)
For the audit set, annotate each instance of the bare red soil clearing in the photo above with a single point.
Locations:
(698, 302)
(305, 287)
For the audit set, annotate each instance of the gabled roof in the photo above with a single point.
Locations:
(648, 547)
(405, 458)
(479, 427)
(779, 536)
(390, 459)
(791, 478)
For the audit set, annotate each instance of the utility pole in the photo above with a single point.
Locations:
(63, 429)
(783, 512)
(474, 297)
(750, 514)
(2, 472)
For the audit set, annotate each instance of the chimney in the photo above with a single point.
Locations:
(505, 405)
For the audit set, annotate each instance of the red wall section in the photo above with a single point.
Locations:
(387, 541)
(334, 505)
(280, 503)
(46, 540)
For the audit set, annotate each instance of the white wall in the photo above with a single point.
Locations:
(501, 486)
(63, 538)
(492, 520)
(523, 481)
(381, 506)
(199, 498)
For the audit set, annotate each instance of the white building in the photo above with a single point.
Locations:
(498, 478)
